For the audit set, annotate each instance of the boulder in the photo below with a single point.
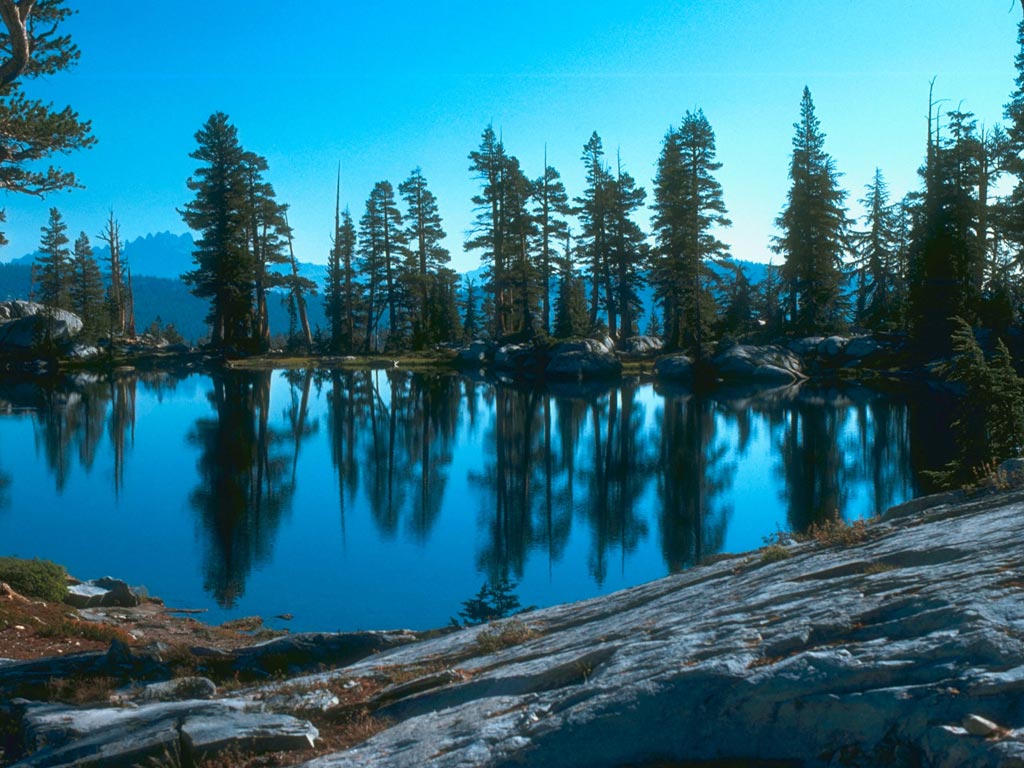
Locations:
(769, 364)
(862, 346)
(833, 346)
(641, 346)
(805, 346)
(516, 357)
(105, 593)
(674, 368)
(29, 331)
(572, 363)
(180, 688)
(473, 354)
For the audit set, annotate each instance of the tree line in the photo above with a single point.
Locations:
(562, 266)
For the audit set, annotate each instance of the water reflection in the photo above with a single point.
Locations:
(246, 474)
(512, 481)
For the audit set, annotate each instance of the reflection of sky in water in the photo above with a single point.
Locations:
(587, 495)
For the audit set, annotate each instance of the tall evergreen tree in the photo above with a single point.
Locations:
(813, 224)
(339, 292)
(117, 299)
(427, 257)
(943, 247)
(688, 208)
(86, 290)
(627, 253)
(594, 209)
(550, 209)
(380, 257)
(224, 267)
(490, 165)
(266, 234)
(52, 268)
(876, 262)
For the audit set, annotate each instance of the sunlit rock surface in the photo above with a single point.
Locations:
(903, 646)
(873, 654)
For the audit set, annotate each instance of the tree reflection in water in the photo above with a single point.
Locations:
(246, 484)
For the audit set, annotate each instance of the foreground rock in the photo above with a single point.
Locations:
(24, 325)
(769, 364)
(901, 644)
(895, 651)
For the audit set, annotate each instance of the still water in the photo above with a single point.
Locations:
(380, 499)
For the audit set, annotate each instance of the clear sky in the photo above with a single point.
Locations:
(384, 87)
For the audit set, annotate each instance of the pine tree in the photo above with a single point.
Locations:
(688, 208)
(86, 291)
(266, 234)
(989, 422)
(117, 298)
(813, 224)
(876, 262)
(380, 257)
(36, 45)
(424, 234)
(490, 164)
(224, 268)
(1011, 211)
(339, 292)
(470, 324)
(594, 209)
(52, 268)
(627, 252)
(940, 273)
(550, 209)
(571, 316)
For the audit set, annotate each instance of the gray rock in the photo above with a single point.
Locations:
(769, 364)
(318, 699)
(581, 358)
(805, 346)
(862, 346)
(82, 351)
(180, 688)
(58, 735)
(641, 346)
(674, 368)
(1012, 471)
(105, 592)
(819, 659)
(25, 333)
(512, 357)
(473, 354)
(976, 725)
(583, 365)
(833, 346)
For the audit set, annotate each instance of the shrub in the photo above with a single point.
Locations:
(773, 553)
(35, 578)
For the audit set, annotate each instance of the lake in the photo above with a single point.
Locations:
(383, 499)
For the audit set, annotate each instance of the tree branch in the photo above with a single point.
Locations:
(14, 15)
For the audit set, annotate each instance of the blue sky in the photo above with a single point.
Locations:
(385, 87)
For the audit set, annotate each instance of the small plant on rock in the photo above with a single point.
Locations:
(40, 579)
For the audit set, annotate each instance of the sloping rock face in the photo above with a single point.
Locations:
(581, 358)
(769, 364)
(24, 323)
(641, 346)
(677, 368)
(882, 653)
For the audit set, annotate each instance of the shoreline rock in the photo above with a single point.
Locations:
(901, 647)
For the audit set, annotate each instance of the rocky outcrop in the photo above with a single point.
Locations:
(896, 644)
(641, 346)
(770, 365)
(676, 368)
(581, 358)
(473, 355)
(105, 592)
(891, 652)
(25, 324)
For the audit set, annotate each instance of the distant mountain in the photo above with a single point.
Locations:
(166, 255)
(157, 262)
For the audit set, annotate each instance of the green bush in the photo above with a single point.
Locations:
(35, 578)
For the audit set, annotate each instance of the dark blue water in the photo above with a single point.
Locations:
(378, 499)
